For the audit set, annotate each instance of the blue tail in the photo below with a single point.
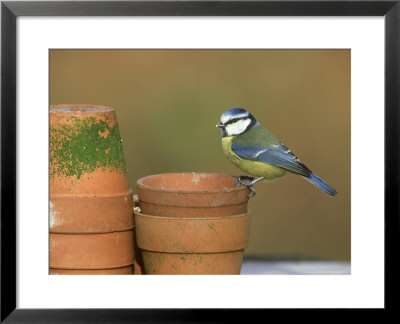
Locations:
(321, 184)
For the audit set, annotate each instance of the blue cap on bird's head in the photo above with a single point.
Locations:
(236, 121)
(234, 113)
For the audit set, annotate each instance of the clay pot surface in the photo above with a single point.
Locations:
(91, 214)
(191, 195)
(117, 271)
(192, 235)
(91, 251)
(193, 264)
(213, 245)
(86, 156)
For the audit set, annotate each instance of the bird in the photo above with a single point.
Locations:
(256, 151)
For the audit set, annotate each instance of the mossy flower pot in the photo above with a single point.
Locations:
(86, 156)
(191, 223)
(91, 206)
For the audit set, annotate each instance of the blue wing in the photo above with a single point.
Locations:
(276, 154)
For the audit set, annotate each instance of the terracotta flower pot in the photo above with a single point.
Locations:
(210, 245)
(191, 223)
(86, 156)
(91, 214)
(91, 218)
(191, 195)
(91, 251)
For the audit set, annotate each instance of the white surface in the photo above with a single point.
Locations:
(363, 288)
(259, 267)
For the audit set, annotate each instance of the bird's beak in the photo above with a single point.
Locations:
(220, 125)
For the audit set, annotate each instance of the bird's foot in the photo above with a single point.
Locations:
(250, 181)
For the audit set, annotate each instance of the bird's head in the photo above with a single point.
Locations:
(236, 121)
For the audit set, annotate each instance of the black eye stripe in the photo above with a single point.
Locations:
(234, 120)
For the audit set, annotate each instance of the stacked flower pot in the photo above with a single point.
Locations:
(191, 223)
(91, 220)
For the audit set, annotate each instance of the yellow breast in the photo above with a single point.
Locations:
(253, 168)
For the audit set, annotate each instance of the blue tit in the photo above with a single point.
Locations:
(259, 153)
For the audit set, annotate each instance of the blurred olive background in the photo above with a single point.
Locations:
(169, 101)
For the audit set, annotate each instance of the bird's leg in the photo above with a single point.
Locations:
(248, 184)
(251, 184)
(256, 180)
(252, 191)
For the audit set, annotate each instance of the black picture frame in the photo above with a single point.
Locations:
(10, 10)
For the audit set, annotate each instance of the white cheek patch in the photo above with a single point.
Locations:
(238, 127)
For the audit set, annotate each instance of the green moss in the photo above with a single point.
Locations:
(83, 146)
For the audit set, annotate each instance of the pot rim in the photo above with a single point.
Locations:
(101, 267)
(113, 195)
(139, 183)
(97, 232)
(196, 218)
(79, 109)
